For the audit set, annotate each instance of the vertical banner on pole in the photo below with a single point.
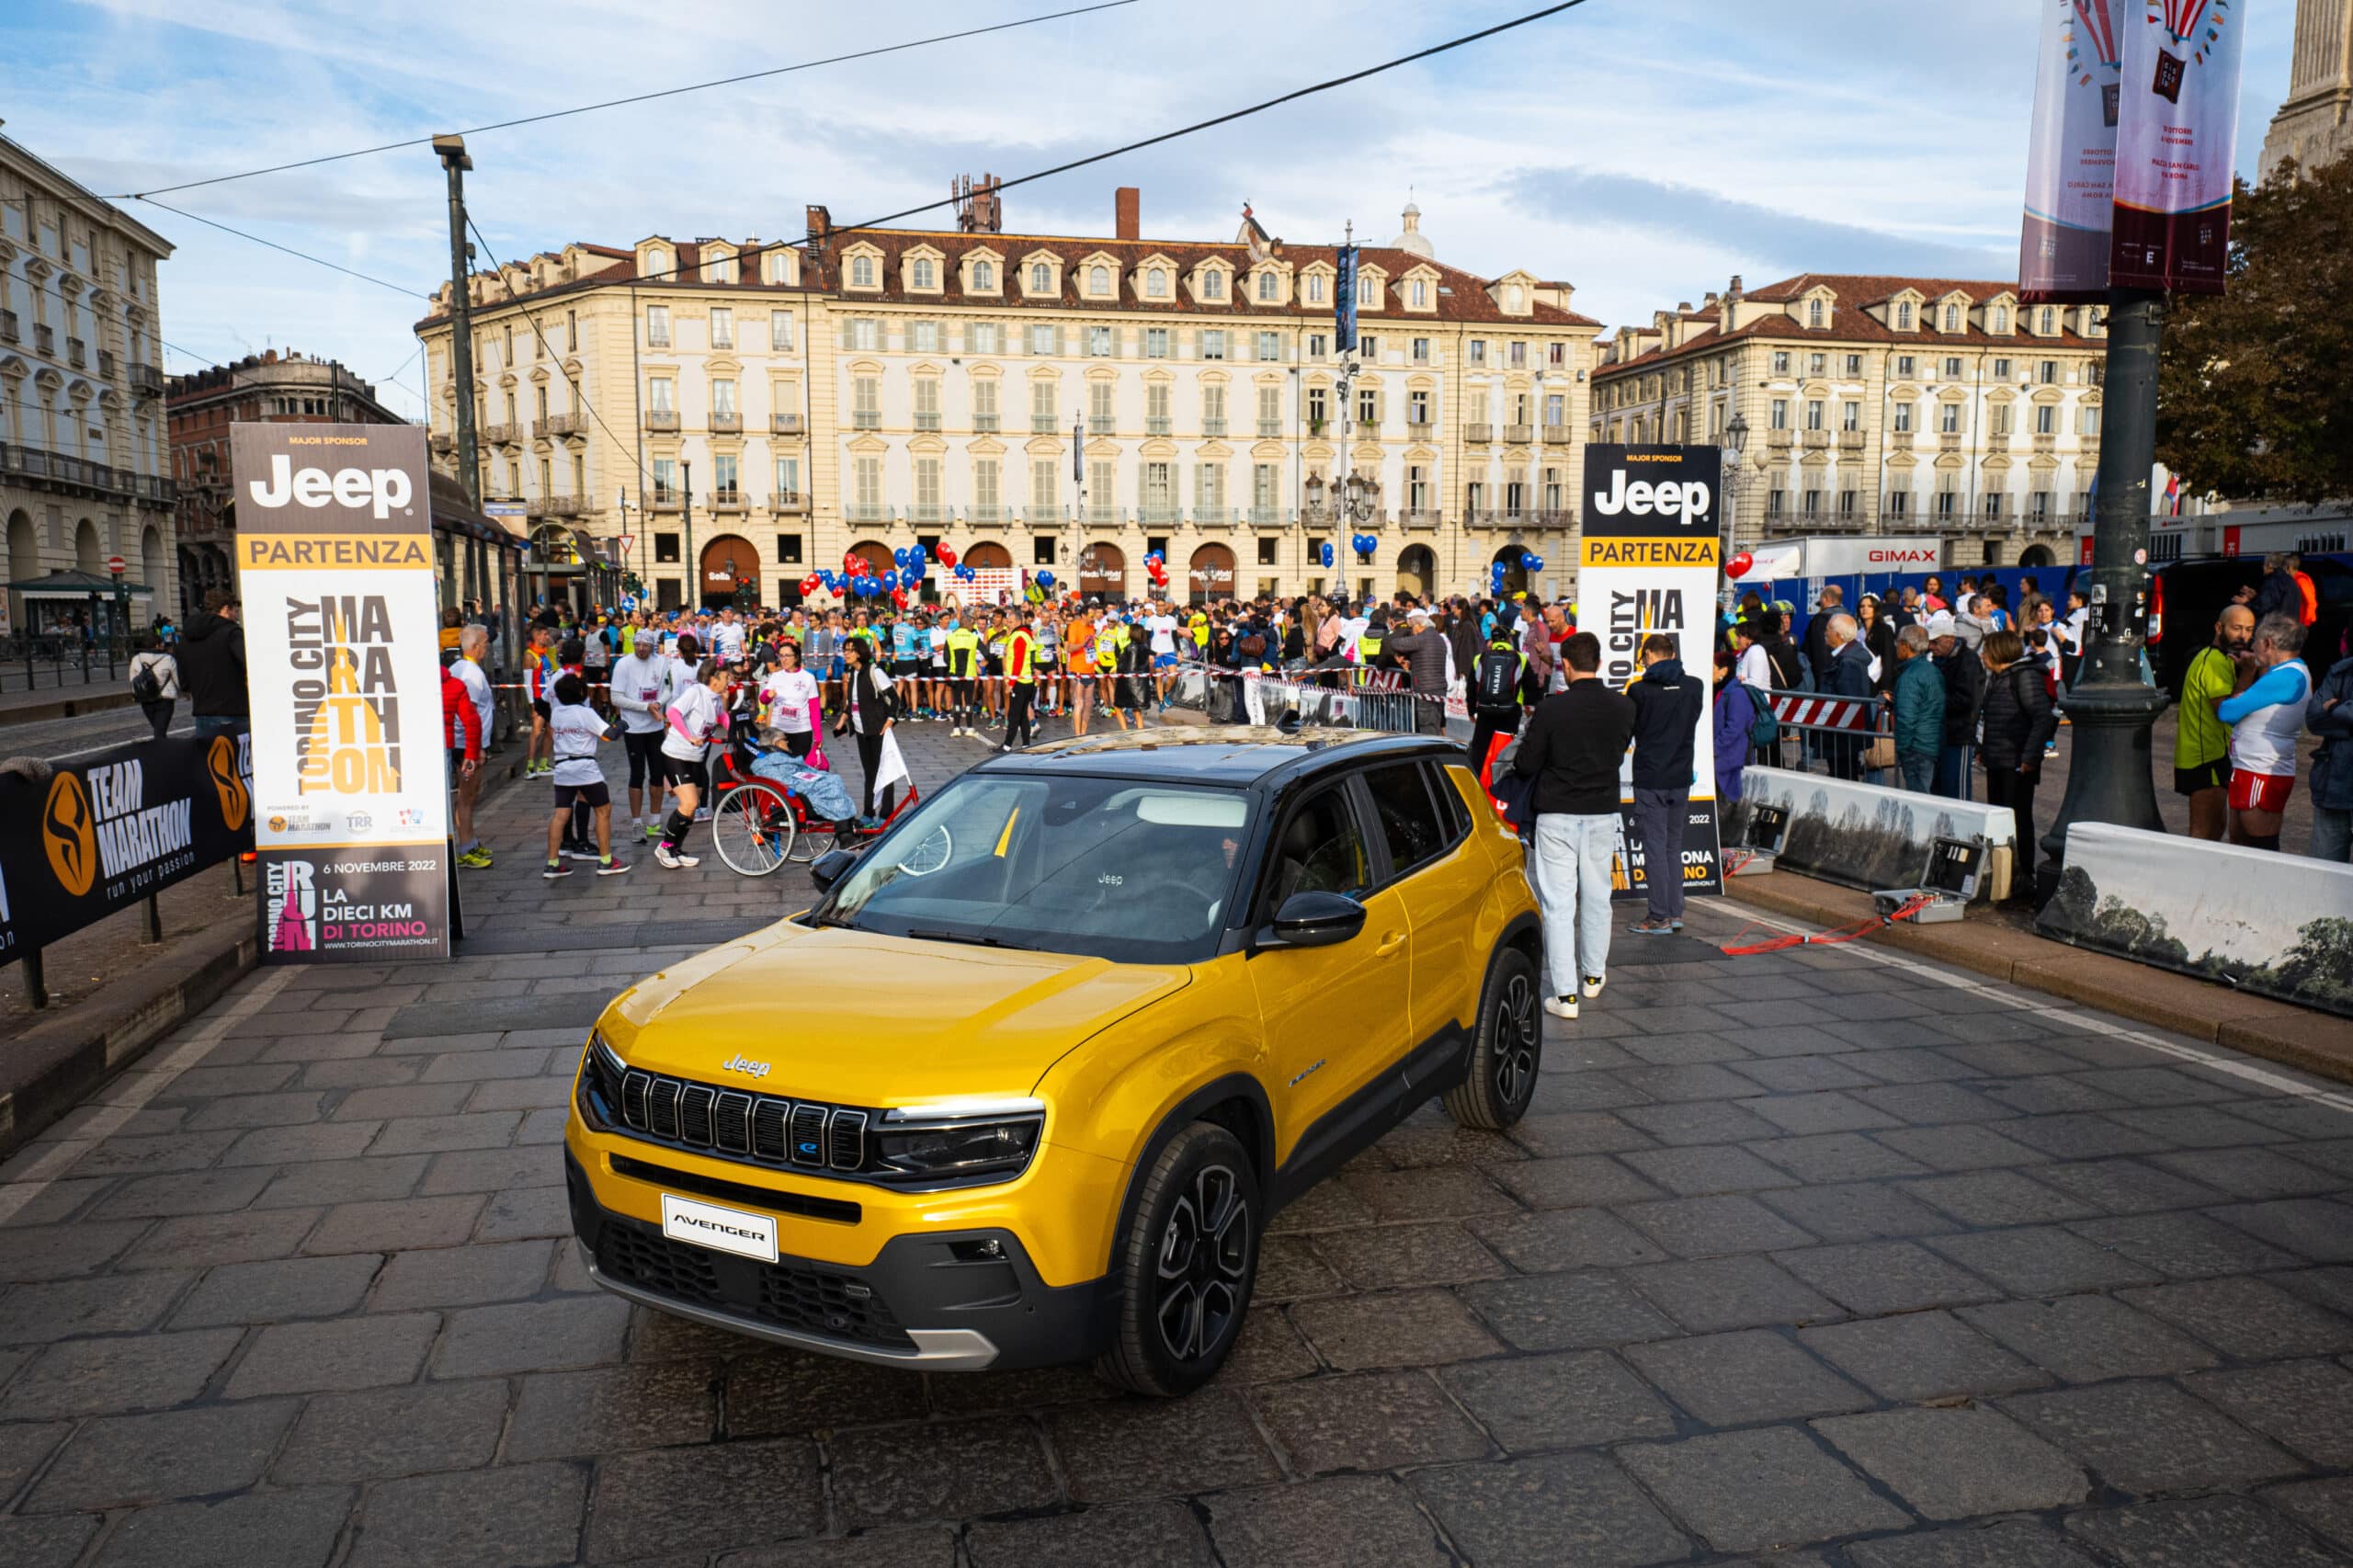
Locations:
(2071, 155)
(1647, 563)
(1344, 302)
(335, 552)
(2176, 138)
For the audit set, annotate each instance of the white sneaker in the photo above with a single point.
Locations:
(1592, 984)
(1560, 1006)
(665, 855)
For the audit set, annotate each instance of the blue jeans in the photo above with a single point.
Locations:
(213, 723)
(1919, 769)
(1572, 876)
(1953, 780)
(2332, 836)
(1660, 815)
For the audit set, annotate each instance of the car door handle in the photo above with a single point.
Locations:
(1390, 942)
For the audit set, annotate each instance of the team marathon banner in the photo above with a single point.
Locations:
(335, 552)
(1647, 563)
(102, 835)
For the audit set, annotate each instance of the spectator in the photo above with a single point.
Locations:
(159, 692)
(2076, 625)
(1818, 647)
(1536, 646)
(1848, 673)
(451, 620)
(2020, 721)
(1666, 715)
(2265, 718)
(1425, 653)
(1920, 710)
(1736, 719)
(1878, 638)
(1494, 691)
(2328, 713)
(467, 671)
(1973, 624)
(2201, 741)
(1932, 595)
(1964, 678)
(1754, 663)
(2306, 590)
(2277, 594)
(212, 664)
(1574, 744)
(1907, 610)
(1790, 672)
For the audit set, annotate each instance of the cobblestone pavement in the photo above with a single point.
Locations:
(1824, 1259)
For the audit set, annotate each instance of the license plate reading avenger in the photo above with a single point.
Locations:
(721, 1230)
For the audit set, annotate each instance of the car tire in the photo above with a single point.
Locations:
(1185, 1265)
(1507, 1050)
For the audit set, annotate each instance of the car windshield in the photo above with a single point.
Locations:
(1109, 868)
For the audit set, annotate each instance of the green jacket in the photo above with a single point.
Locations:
(1919, 706)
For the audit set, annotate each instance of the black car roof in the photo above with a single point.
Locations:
(1213, 753)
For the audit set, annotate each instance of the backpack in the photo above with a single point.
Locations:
(1496, 679)
(144, 686)
(1765, 729)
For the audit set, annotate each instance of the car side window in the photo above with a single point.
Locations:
(1320, 849)
(1407, 815)
(1456, 814)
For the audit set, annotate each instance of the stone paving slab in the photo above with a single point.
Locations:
(1799, 1259)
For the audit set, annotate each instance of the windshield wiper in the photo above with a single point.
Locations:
(972, 938)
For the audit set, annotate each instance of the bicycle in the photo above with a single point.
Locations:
(757, 825)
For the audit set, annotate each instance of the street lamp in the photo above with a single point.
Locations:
(1735, 442)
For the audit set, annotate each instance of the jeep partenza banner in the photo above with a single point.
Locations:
(1647, 563)
(335, 556)
(106, 831)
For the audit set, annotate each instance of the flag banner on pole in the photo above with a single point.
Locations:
(2176, 134)
(2071, 153)
(1344, 302)
(335, 557)
(1647, 563)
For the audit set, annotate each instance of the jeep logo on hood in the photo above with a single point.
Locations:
(749, 1069)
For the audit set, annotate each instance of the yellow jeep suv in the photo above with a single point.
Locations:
(1026, 1084)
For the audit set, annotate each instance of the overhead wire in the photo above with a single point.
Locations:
(633, 99)
(289, 250)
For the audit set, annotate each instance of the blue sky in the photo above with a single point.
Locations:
(1644, 150)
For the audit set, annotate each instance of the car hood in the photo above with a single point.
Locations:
(861, 1018)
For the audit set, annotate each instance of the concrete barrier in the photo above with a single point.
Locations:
(1864, 835)
(2275, 925)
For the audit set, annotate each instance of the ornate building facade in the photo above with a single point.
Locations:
(266, 388)
(82, 438)
(2315, 125)
(745, 414)
(1880, 405)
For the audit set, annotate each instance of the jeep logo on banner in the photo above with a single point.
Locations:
(334, 553)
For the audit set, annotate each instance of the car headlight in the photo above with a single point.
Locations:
(952, 1140)
(602, 1071)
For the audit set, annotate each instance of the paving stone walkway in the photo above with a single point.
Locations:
(1819, 1258)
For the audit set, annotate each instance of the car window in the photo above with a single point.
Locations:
(1408, 817)
(1321, 850)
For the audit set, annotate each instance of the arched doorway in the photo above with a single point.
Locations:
(988, 556)
(1212, 574)
(876, 556)
(1103, 573)
(2036, 555)
(87, 555)
(1515, 576)
(24, 556)
(730, 572)
(1416, 570)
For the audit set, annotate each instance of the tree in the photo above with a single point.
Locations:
(2253, 398)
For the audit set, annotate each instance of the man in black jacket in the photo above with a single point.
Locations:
(1666, 720)
(1964, 676)
(1849, 675)
(1818, 647)
(212, 664)
(1575, 741)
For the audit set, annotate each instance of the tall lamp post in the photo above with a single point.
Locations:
(1735, 442)
(451, 151)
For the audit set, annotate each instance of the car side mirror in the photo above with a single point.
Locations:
(832, 867)
(1313, 920)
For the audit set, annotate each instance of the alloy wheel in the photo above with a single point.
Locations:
(1516, 1033)
(1204, 1265)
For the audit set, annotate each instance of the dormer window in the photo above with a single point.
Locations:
(862, 272)
(1155, 284)
(657, 262)
(1814, 313)
(1514, 299)
(1368, 291)
(983, 277)
(2001, 318)
(1212, 284)
(1315, 289)
(2050, 322)
(1098, 282)
(1041, 278)
(921, 275)
(1952, 318)
(1904, 316)
(1421, 293)
(1268, 288)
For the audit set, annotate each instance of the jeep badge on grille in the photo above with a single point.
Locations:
(750, 1069)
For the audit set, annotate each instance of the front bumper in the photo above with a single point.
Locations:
(928, 1301)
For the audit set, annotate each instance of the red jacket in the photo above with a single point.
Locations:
(458, 714)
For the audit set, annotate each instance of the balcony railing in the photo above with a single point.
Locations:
(2046, 443)
(76, 352)
(1269, 428)
(560, 424)
(1948, 441)
(1850, 440)
(866, 419)
(1417, 429)
(442, 443)
(78, 476)
(785, 424)
(1160, 515)
(1825, 520)
(1265, 516)
(929, 512)
(1478, 434)
(661, 419)
(728, 498)
(1101, 515)
(666, 498)
(1158, 425)
(8, 327)
(555, 505)
(1899, 441)
(788, 501)
(867, 512)
(987, 424)
(1412, 520)
(1780, 440)
(726, 423)
(1041, 424)
(1213, 517)
(502, 434)
(1556, 435)
(44, 339)
(990, 516)
(1519, 435)
(1998, 442)
(1100, 424)
(1214, 426)
(927, 421)
(1817, 438)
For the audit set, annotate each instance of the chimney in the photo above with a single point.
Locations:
(1732, 293)
(1127, 214)
(821, 223)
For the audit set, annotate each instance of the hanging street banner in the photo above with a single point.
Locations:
(335, 557)
(103, 833)
(2176, 138)
(2071, 153)
(1648, 563)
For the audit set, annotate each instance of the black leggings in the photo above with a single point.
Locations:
(644, 748)
(159, 714)
(2008, 787)
(679, 824)
(870, 756)
(1023, 694)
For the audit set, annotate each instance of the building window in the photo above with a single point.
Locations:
(665, 546)
(1417, 406)
(866, 485)
(657, 326)
(983, 277)
(1903, 366)
(1155, 343)
(1269, 288)
(1780, 415)
(1042, 550)
(862, 272)
(1816, 363)
(1043, 338)
(1041, 278)
(1318, 407)
(1421, 351)
(1044, 477)
(866, 403)
(1421, 293)
(1212, 343)
(2090, 425)
(1212, 284)
(1904, 316)
(1952, 367)
(780, 330)
(1367, 407)
(2001, 370)
(787, 548)
(920, 274)
(923, 337)
(1315, 288)
(2047, 373)
(1368, 291)
(1155, 284)
(2050, 322)
(1850, 416)
(1370, 348)
(722, 478)
(661, 395)
(1813, 414)
(1780, 361)
(865, 333)
(1949, 418)
(723, 327)
(2046, 419)
(572, 331)
(1099, 340)
(1814, 313)
(1270, 347)
(723, 396)
(1041, 404)
(1478, 350)
(1098, 282)
(788, 482)
(1904, 416)
(986, 495)
(1518, 360)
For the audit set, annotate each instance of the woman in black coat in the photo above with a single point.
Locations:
(2020, 721)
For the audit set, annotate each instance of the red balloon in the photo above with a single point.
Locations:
(898, 598)
(811, 583)
(945, 556)
(1738, 565)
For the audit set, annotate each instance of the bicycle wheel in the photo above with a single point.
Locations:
(813, 840)
(929, 853)
(752, 828)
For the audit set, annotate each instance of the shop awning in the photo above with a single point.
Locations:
(76, 586)
(452, 513)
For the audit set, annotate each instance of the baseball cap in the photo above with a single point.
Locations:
(1940, 624)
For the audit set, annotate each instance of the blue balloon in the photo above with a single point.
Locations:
(1045, 579)
(1327, 554)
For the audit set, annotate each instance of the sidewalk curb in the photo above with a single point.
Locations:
(64, 708)
(2275, 1032)
(59, 1062)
